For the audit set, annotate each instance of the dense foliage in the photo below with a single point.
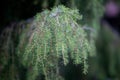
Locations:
(56, 39)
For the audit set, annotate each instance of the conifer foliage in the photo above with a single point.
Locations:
(56, 39)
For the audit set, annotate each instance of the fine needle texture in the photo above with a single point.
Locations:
(56, 39)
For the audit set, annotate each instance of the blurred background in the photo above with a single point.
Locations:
(102, 17)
